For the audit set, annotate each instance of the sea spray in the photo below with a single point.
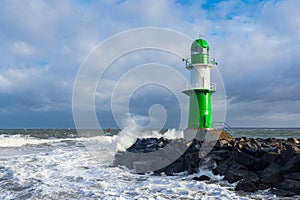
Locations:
(123, 140)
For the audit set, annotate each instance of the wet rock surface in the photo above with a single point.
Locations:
(253, 163)
(261, 164)
(202, 178)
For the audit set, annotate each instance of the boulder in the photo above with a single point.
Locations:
(271, 175)
(291, 185)
(294, 176)
(236, 175)
(243, 158)
(237, 166)
(144, 145)
(263, 186)
(250, 150)
(293, 140)
(270, 157)
(282, 193)
(142, 167)
(246, 186)
(293, 165)
(221, 169)
(286, 155)
(296, 150)
(201, 178)
(260, 164)
(260, 153)
(216, 157)
(257, 142)
(221, 152)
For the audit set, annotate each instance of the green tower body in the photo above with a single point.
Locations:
(200, 90)
(200, 115)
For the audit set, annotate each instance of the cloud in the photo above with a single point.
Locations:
(43, 44)
(23, 49)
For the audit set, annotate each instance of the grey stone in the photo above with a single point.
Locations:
(293, 165)
(201, 178)
(271, 175)
(246, 186)
(294, 176)
(235, 175)
(286, 155)
(243, 158)
(292, 185)
(270, 157)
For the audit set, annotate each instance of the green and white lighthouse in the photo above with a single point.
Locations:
(200, 88)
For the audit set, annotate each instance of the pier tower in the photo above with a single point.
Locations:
(200, 88)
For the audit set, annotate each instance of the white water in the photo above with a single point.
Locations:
(32, 168)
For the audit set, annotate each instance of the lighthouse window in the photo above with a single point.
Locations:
(196, 50)
(199, 50)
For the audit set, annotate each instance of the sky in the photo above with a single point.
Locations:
(44, 44)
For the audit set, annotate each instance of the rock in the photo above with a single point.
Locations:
(291, 185)
(243, 158)
(270, 157)
(226, 136)
(282, 193)
(296, 150)
(250, 150)
(201, 178)
(260, 153)
(207, 164)
(216, 157)
(238, 146)
(220, 152)
(263, 186)
(257, 142)
(265, 160)
(175, 167)
(260, 164)
(235, 175)
(271, 175)
(237, 166)
(221, 169)
(275, 161)
(146, 145)
(142, 167)
(293, 140)
(286, 155)
(246, 186)
(189, 160)
(143, 145)
(222, 142)
(294, 176)
(293, 165)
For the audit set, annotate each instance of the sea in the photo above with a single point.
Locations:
(72, 164)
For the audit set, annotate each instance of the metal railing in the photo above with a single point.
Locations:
(211, 61)
(212, 86)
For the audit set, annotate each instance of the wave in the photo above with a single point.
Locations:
(54, 133)
(21, 140)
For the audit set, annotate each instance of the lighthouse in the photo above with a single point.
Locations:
(199, 90)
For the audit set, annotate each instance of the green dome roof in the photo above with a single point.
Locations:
(200, 43)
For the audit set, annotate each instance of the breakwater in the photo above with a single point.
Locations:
(254, 163)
